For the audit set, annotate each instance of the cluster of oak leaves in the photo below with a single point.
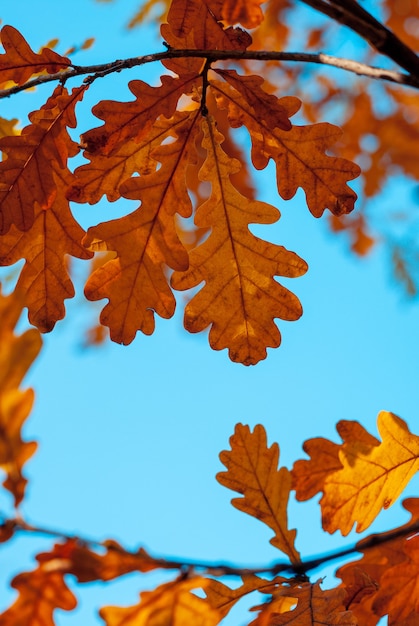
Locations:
(165, 156)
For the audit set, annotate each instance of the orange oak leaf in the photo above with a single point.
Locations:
(16, 355)
(41, 592)
(27, 178)
(19, 62)
(252, 470)
(398, 593)
(372, 477)
(299, 153)
(308, 476)
(315, 607)
(240, 298)
(132, 121)
(105, 173)
(171, 604)
(44, 279)
(246, 12)
(223, 598)
(135, 281)
(368, 596)
(87, 565)
(203, 19)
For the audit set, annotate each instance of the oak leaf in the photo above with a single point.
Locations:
(133, 120)
(135, 281)
(315, 607)
(35, 158)
(171, 604)
(240, 298)
(369, 597)
(222, 598)
(88, 565)
(44, 279)
(299, 153)
(16, 355)
(372, 477)
(41, 592)
(309, 476)
(246, 12)
(106, 172)
(252, 470)
(19, 62)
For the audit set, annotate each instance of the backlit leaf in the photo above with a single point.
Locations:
(252, 470)
(44, 279)
(349, 498)
(299, 153)
(171, 604)
(34, 159)
(135, 281)
(19, 62)
(240, 298)
(41, 592)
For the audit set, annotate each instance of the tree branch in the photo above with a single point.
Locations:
(223, 569)
(349, 13)
(99, 71)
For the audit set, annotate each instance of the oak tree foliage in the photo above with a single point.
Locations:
(174, 149)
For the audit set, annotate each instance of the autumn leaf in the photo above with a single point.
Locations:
(349, 498)
(19, 62)
(35, 160)
(7, 127)
(135, 281)
(299, 152)
(246, 12)
(88, 565)
(44, 279)
(41, 592)
(315, 607)
(240, 298)
(132, 121)
(222, 598)
(171, 604)
(252, 470)
(308, 476)
(369, 597)
(16, 355)
(105, 173)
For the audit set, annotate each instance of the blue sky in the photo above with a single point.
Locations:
(129, 437)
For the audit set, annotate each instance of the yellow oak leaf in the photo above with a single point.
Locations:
(240, 298)
(252, 470)
(308, 476)
(372, 476)
(171, 604)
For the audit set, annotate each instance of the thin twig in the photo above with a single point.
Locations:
(99, 71)
(224, 569)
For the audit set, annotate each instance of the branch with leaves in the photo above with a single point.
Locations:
(173, 150)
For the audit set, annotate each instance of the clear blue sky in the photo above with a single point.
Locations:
(130, 436)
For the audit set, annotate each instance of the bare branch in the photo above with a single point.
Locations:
(93, 72)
